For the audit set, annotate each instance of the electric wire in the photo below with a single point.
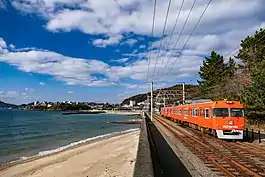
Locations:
(181, 31)
(152, 33)
(183, 47)
(171, 36)
(162, 37)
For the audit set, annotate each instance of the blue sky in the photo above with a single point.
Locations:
(86, 50)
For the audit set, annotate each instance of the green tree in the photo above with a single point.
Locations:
(252, 51)
(254, 94)
(211, 72)
(216, 74)
(231, 67)
(252, 56)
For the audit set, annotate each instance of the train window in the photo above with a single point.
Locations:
(177, 111)
(206, 113)
(172, 111)
(237, 112)
(195, 112)
(185, 111)
(220, 112)
(202, 113)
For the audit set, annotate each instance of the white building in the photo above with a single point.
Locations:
(132, 103)
(126, 106)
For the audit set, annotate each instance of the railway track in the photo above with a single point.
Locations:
(221, 157)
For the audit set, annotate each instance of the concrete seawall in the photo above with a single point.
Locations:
(143, 165)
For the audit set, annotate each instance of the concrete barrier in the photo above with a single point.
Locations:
(143, 166)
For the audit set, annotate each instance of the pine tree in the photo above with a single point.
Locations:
(252, 51)
(231, 67)
(211, 72)
(254, 95)
(252, 55)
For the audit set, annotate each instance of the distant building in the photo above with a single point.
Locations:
(141, 103)
(198, 101)
(126, 106)
(132, 103)
(43, 104)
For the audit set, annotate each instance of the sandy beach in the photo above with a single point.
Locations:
(108, 157)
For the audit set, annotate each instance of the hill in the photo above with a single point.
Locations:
(192, 92)
(7, 105)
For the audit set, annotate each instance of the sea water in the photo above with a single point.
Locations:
(25, 134)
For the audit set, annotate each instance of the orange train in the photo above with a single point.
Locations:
(225, 119)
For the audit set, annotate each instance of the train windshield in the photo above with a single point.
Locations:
(237, 112)
(220, 112)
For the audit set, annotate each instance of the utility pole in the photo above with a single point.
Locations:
(151, 101)
(183, 91)
(164, 101)
(147, 103)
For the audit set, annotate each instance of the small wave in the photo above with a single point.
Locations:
(82, 142)
(52, 151)
(23, 158)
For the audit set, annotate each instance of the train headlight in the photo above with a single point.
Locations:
(230, 122)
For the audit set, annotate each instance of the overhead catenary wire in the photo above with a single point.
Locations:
(162, 37)
(152, 33)
(236, 49)
(181, 31)
(171, 36)
(183, 47)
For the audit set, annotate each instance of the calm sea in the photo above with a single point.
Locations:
(25, 134)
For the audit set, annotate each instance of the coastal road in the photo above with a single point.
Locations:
(165, 161)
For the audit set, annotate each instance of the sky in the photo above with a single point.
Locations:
(105, 51)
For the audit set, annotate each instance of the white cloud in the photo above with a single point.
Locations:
(6, 95)
(221, 29)
(2, 43)
(2, 4)
(70, 92)
(42, 83)
(111, 40)
(142, 46)
(133, 86)
(3, 46)
(117, 17)
(12, 46)
(130, 42)
(79, 71)
(73, 71)
(121, 60)
(29, 89)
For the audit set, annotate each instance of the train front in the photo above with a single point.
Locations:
(228, 119)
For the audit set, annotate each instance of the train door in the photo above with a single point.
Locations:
(185, 113)
(207, 118)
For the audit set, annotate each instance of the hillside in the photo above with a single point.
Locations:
(7, 105)
(192, 92)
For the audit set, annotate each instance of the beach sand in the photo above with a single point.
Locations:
(108, 157)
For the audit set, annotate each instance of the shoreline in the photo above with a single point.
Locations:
(6, 165)
(126, 113)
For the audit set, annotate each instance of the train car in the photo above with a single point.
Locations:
(225, 119)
